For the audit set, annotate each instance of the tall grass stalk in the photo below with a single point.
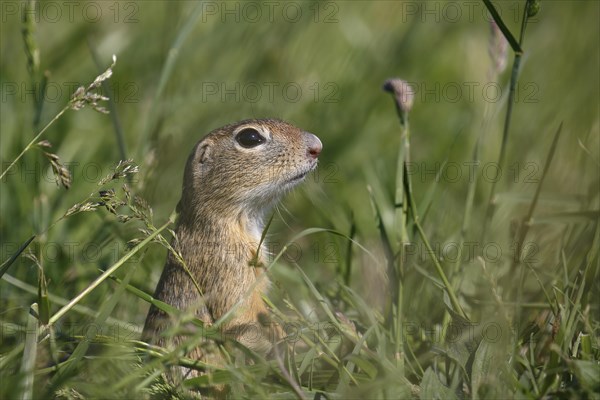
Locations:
(514, 77)
(32, 52)
(403, 98)
(403, 202)
(401, 213)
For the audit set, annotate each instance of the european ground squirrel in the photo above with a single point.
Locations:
(233, 176)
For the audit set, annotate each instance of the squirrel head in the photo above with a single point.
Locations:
(244, 168)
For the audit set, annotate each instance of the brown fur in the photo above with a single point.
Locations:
(227, 189)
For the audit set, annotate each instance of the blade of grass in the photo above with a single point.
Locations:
(516, 46)
(43, 301)
(527, 221)
(344, 379)
(287, 377)
(263, 235)
(6, 264)
(32, 53)
(348, 269)
(29, 354)
(11, 355)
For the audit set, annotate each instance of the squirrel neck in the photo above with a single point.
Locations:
(213, 223)
(232, 238)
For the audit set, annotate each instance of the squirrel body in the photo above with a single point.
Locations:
(233, 176)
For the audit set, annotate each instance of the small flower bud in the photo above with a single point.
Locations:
(403, 94)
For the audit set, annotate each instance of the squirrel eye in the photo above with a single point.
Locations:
(249, 137)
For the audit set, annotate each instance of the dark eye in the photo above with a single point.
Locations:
(249, 137)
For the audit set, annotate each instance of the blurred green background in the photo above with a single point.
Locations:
(318, 65)
(321, 66)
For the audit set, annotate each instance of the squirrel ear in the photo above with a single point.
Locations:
(203, 153)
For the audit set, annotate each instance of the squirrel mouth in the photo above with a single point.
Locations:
(299, 177)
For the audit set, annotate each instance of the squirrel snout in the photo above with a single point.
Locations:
(314, 145)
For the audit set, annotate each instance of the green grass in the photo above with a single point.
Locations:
(393, 276)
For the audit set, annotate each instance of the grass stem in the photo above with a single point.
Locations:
(440, 271)
(514, 77)
(35, 139)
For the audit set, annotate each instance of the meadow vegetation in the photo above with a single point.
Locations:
(447, 246)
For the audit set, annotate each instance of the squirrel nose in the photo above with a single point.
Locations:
(314, 145)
